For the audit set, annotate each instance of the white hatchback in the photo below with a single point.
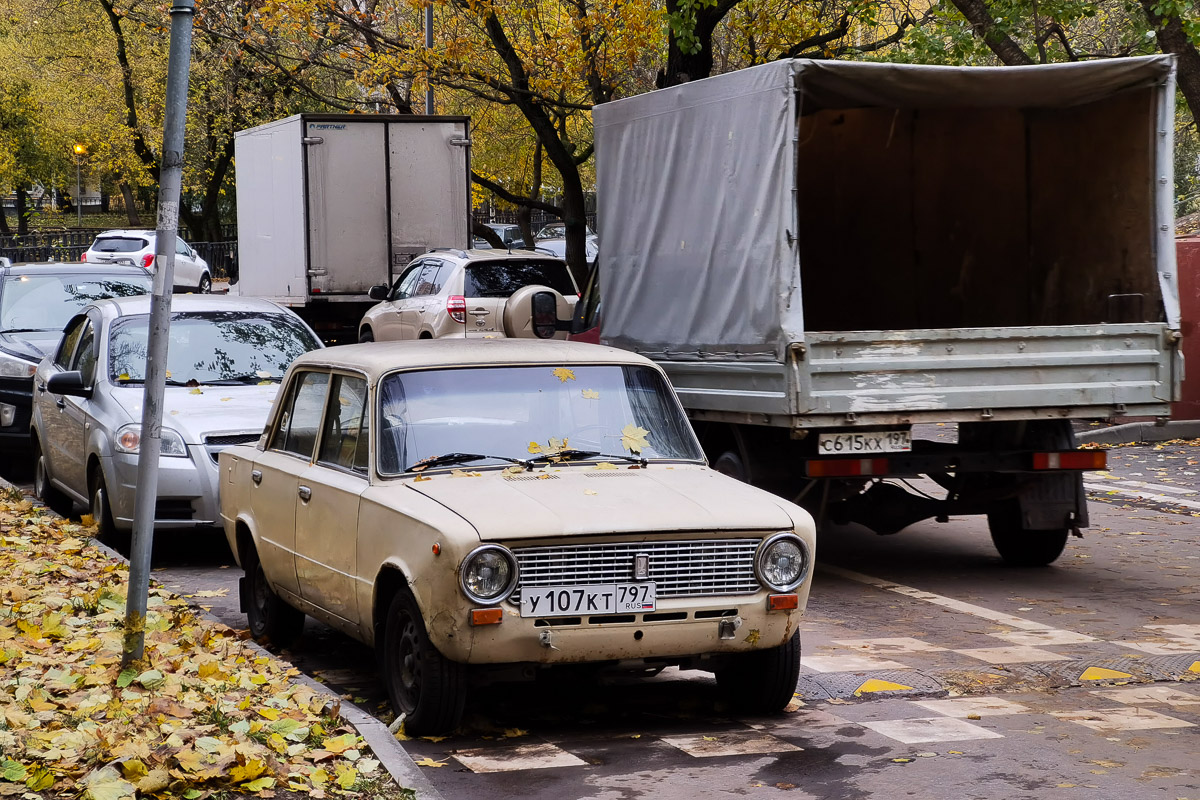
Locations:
(136, 247)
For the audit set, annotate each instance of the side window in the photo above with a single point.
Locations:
(428, 283)
(407, 281)
(296, 430)
(181, 247)
(85, 355)
(345, 435)
(70, 338)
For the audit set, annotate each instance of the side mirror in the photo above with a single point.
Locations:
(68, 383)
(545, 315)
(379, 292)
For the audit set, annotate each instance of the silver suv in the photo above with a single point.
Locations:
(467, 293)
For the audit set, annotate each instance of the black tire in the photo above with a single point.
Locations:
(45, 491)
(269, 618)
(762, 681)
(429, 689)
(101, 511)
(205, 285)
(1020, 547)
(731, 464)
(366, 335)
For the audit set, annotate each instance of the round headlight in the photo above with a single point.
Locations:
(783, 562)
(489, 574)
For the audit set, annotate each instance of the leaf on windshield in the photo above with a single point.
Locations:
(226, 399)
(590, 394)
(168, 373)
(556, 445)
(124, 376)
(605, 465)
(420, 478)
(262, 373)
(195, 390)
(535, 448)
(563, 374)
(462, 473)
(633, 438)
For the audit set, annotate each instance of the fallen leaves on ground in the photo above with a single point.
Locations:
(203, 712)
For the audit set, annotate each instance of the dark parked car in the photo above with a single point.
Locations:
(36, 301)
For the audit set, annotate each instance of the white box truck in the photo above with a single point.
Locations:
(825, 255)
(329, 205)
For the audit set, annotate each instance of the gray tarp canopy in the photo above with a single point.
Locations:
(707, 266)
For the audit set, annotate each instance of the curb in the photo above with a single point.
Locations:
(1142, 432)
(385, 747)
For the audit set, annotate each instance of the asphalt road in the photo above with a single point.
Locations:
(930, 671)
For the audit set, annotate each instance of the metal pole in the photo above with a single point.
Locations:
(428, 46)
(78, 199)
(170, 184)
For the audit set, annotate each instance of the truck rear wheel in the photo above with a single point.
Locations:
(762, 681)
(1021, 547)
(731, 464)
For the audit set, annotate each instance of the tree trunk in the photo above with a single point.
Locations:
(22, 211)
(131, 208)
(999, 42)
(683, 67)
(4, 229)
(1173, 39)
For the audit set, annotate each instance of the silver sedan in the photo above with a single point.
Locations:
(225, 359)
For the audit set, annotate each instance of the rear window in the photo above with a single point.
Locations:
(502, 278)
(119, 244)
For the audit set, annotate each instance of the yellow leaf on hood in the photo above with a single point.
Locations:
(195, 390)
(605, 465)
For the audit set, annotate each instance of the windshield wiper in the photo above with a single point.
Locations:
(25, 330)
(570, 454)
(460, 458)
(169, 381)
(248, 378)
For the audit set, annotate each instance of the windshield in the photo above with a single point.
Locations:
(209, 346)
(527, 412)
(47, 302)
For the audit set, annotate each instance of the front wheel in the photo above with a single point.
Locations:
(367, 335)
(429, 689)
(101, 511)
(762, 681)
(269, 617)
(205, 286)
(1020, 547)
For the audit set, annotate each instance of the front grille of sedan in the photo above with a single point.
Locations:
(218, 442)
(700, 567)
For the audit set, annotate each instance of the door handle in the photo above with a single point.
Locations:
(305, 493)
(256, 476)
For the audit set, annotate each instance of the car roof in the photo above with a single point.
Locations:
(478, 254)
(140, 304)
(72, 268)
(143, 232)
(377, 358)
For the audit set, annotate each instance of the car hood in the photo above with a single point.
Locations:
(216, 409)
(30, 345)
(585, 500)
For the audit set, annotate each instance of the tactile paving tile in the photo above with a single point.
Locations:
(827, 685)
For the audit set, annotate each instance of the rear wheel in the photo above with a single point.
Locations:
(762, 681)
(429, 689)
(1021, 547)
(57, 502)
(269, 617)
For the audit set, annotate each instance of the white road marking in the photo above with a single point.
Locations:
(1160, 498)
(1012, 655)
(1039, 638)
(1122, 719)
(932, 729)
(848, 663)
(509, 759)
(889, 646)
(1139, 695)
(1163, 648)
(1010, 620)
(735, 743)
(960, 707)
(1177, 631)
(1158, 487)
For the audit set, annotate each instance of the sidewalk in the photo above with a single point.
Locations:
(1140, 432)
(206, 710)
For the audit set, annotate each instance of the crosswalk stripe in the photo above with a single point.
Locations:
(1160, 498)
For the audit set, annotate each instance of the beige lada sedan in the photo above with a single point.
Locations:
(475, 504)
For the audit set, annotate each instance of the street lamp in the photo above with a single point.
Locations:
(80, 150)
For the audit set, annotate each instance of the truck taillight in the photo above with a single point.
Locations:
(846, 467)
(456, 307)
(1071, 459)
(148, 261)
